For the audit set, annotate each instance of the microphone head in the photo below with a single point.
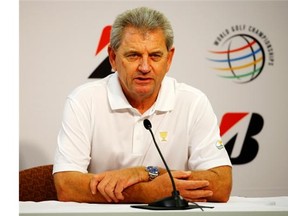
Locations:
(147, 124)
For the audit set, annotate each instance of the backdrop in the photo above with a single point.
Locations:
(235, 52)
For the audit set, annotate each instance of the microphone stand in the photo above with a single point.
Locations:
(173, 202)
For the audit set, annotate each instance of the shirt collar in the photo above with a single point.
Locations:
(165, 101)
(116, 96)
(167, 95)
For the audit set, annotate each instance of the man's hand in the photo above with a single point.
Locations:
(220, 182)
(191, 190)
(112, 183)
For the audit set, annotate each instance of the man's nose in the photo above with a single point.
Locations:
(144, 65)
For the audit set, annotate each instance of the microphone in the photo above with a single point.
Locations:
(173, 202)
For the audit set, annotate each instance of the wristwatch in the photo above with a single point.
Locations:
(153, 172)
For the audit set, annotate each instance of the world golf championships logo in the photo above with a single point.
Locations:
(239, 54)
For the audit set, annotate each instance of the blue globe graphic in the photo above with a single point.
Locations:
(241, 59)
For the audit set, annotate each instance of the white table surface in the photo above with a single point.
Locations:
(235, 206)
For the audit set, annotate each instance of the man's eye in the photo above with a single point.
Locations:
(132, 57)
(156, 57)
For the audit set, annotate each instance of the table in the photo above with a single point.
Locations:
(236, 206)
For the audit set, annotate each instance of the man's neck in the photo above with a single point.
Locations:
(142, 105)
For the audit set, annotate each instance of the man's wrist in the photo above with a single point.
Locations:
(153, 172)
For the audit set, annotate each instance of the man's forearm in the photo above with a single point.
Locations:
(147, 192)
(220, 182)
(74, 186)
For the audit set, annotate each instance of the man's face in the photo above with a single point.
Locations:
(142, 60)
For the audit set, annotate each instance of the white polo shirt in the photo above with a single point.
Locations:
(101, 131)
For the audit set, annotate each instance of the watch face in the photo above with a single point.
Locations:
(153, 172)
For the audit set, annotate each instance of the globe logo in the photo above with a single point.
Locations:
(242, 58)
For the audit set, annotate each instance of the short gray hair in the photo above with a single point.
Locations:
(142, 18)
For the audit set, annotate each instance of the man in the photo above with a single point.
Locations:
(104, 152)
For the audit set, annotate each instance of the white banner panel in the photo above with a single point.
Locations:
(235, 52)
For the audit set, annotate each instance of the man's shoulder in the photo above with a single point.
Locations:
(184, 88)
(90, 87)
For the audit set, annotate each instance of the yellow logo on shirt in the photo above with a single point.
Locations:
(163, 135)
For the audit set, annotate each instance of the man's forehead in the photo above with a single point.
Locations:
(136, 38)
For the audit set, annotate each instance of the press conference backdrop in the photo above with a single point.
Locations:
(235, 52)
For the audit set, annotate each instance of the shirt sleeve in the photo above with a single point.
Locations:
(73, 150)
(206, 149)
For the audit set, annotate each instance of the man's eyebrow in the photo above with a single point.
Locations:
(128, 52)
(131, 51)
(157, 52)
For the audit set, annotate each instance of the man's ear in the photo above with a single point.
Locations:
(112, 58)
(170, 57)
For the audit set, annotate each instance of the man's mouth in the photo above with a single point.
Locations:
(142, 80)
